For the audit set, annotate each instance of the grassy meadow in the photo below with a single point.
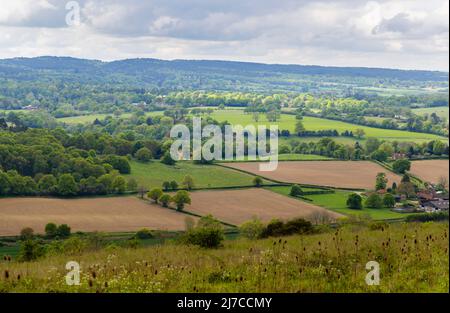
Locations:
(440, 111)
(338, 202)
(287, 121)
(412, 257)
(154, 173)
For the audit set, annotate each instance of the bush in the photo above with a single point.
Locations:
(63, 231)
(51, 230)
(257, 181)
(374, 201)
(144, 234)
(144, 155)
(30, 250)
(155, 194)
(295, 191)
(389, 200)
(27, 233)
(207, 234)
(354, 201)
(428, 217)
(181, 198)
(278, 228)
(252, 229)
(167, 159)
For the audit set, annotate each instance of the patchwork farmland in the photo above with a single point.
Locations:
(238, 206)
(430, 170)
(340, 174)
(114, 214)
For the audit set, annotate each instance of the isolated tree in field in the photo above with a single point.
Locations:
(167, 159)
(188, 182)
(394, 187)
(165, 200)
(299, 128)
(381, 181)
(354, 201)
(67, 185)
(154, 194)
(388, 200)
(181, 198)
(406, 178)
(296, 191)
(359, 133)
(401, 166)
(51, 230)
(144, 155)
(257, 181)
(374, 201)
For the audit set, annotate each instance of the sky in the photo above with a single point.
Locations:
(407, 34)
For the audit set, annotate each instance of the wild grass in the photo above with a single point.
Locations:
(412, 257)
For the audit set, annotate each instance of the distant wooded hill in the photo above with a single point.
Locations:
(217, 75)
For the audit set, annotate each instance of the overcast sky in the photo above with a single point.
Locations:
(410, 34)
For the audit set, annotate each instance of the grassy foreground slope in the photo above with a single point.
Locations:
(412, 258)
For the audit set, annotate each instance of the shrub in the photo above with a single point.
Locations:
(173, 185)
(144, 234)
(374, 201)
(27, 233)
(30, 250)
(63, 231)
(296, 191)
(427, 217)
(144, 155)
(188, 182)
(295, 226)
(166, 186)
(389, 200)
(252, 229)
(257, 181)
(354, 201)
(51, 230)
(207, 234)
(167, 159)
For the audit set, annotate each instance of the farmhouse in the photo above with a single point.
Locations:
(436, 205)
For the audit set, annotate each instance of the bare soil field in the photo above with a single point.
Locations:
(343, 174)
(239, 206)
(430, 170)
(92, 214)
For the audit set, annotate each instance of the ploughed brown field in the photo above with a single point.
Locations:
(430, 170)
(239, 206)
(93, 214)
(343, 174)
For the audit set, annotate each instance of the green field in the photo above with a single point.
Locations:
(90, 118)
(287, 121)
(154, 173)
(337, 202)
(440, 111)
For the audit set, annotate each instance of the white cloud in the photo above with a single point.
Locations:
(394, 33)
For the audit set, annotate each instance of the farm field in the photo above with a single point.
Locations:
(337, 202)
(90, 118)
(264, 265)
(239, 206)
(108, 214)
(430, 170)
(287, 121)
(440, 111)
(154, 173)
(340, 174)
(292, 157)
